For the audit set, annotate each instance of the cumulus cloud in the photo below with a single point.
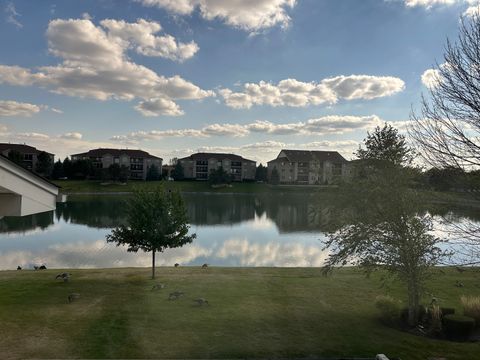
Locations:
(431, 78)
(14, 108)
(95, 65)
(294, 93)
(246, 15)
(333, 124)
(159, 106)
(72, 135)
(429, 3)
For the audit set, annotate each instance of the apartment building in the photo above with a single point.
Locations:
(309, 167)
(198, 166)
(29, 154)
(137, 161)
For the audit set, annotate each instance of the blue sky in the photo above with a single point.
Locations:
(250, 77)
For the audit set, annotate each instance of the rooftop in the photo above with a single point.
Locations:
(22, 148)
(217, 156)
(312, 155)
(117, 152)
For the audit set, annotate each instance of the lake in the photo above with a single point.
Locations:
(282, 230)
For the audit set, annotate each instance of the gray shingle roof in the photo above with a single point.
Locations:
(311, 155)
(217, 156)
(22, 148)
(117, 152)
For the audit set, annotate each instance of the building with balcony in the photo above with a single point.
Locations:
(137, 161)
(309, 167)
(198, 166)
(29, 154)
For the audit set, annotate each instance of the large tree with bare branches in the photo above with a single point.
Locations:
(447, 129)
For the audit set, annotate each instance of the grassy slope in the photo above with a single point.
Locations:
(259, 312)
(82, 186)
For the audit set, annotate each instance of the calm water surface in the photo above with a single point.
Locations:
(232, 230)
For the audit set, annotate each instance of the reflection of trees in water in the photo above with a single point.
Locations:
(290, 212)
(19, 224)
(99, 212)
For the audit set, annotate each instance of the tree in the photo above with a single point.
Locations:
(44, 164)
(261, 173)
(274, 177)
(67, 168)
(447, 130)
(386, 228)
(57, 171)
(114, 172)
(152, 173)
(219, 176)
(156, 221)
(177, 173)
(124, 173)
(81, 169)
(386, 144)
(16, 157)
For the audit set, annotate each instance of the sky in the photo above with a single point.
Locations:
(250, 77)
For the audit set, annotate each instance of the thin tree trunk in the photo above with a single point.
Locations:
(153, 264)
(413, 303)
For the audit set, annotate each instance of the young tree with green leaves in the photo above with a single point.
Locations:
(152, 173)
(219, 176)
(44, 164)
(274, 177)
(156, 221)
(385, 227)
(57, 171)
(178, 173)
(386, 145)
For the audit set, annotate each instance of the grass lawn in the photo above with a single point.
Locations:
(93, 186)
(253, 313)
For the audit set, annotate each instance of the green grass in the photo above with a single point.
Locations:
(254, 313)
(92, 186)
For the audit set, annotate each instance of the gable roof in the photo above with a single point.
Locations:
(21, 148)
(117, 152)
(313, 155)
(218, 156)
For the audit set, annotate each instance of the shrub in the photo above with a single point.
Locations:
(389, 309)
(471, 307)
(458, 327)
(447, 311)
(435, 320)
(421, 314)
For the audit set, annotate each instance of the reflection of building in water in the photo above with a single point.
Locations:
(309, 167)
(219, 209)
(22, 224)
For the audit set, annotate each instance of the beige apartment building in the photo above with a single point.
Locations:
(29, 153)
(198, 166)
(309, 167)
(137, 161)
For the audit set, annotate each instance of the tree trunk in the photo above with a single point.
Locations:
(413, 302)
(153, 264)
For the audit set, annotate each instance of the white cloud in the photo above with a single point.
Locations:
(247, 15)
(95, 64)
(12, 15)
(141, 36)
(72, 135)
(3, 129)
(429, 3)
(157, 107)
(14, 108)
(431, 78)
(333, 124)
(294, 93)
(30, 136)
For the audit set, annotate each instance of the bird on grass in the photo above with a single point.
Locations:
(201, 302)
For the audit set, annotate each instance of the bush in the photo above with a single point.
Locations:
(471, 307)
(421, 314)
(389, 309)
(458, 327)
(447, 311)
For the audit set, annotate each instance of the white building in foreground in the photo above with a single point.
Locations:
(24, 193)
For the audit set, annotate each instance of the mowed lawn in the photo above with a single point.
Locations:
(253, 313)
